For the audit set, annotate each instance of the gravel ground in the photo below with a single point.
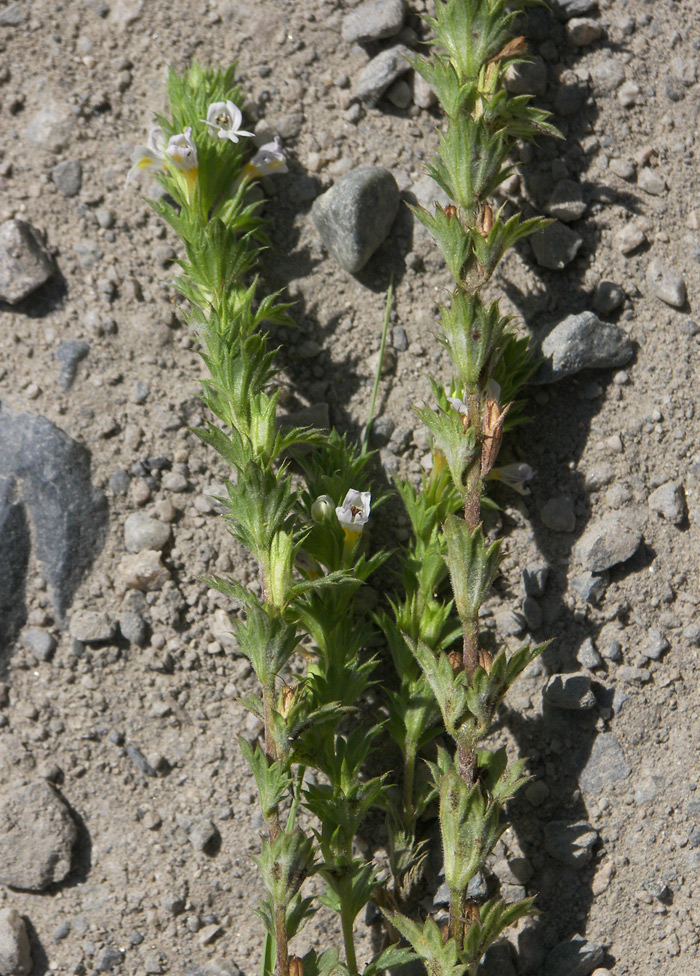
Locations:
(127, 814)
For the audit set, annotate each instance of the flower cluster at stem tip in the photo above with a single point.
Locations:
(224, 121)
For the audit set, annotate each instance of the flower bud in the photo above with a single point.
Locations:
(296, 966)
(485, 660)
(323, 508)
(455, 659)
(287, 700)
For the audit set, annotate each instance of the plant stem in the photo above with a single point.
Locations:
(378, 373)
(281, 941)
(346, 919)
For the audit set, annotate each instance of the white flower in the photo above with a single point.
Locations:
(322, 508)
(514, 475)
(150, 156)
(224, 119)
(182, 151)
(458, 405)
(354, 512)
(268, 159)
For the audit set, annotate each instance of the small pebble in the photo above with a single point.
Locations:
(665, 284)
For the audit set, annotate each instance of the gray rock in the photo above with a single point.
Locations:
(630, 237)
(37, 834)
(583, 31)
(582, 342)
(588, 587)
(570, 692)
(691, 633)
(427, 193)
(498, 960)
(69, 516)
(355, 215)
(606, 766)
(140, 761)
(536, 793)
(509, 623)
(608, 541)
(654, 645)
(51, 127)
(423, 94)
(622, 168)
(566, 202)
(534, 579)
(558, 514)
(532, 612)
(15, 14)
(612, 650)
(566, 9)
(382, 71)
(15, 545)
(143, 532)
(574, 957)
(608, 297)
(202, 834)
(399, 339)
(555, 246)
(25, 265)
(119, 481)
(647, 788)
(632, 676)
(68, 177)
(110, 958)
(527, 78)
(669, 501)
(570, 843)
(133, 628)
(651, 181)
(39, 642)
(381, 431)
(92, 626)
(373, 21)
(69, 354)
(666, 284)
(15, 953)
(606, 76)
(587, 656)
(400, 94)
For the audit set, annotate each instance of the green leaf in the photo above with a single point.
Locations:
(453, 241)
(440, 958)
(273, 779)
(472, 564)
(390, 958)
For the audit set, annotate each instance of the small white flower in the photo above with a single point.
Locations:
(268, 159)
(322, 508)
(458, 405)
(514, 475)
(224, 119)
(151, 156)
(182, 151)
(354, 512)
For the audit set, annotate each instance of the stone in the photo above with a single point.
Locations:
(606, 765)
(632, 676)
(606, 76)
(69, 516)
(15, 952)
(583, 31)
(528, 77)
(37, 834)
(373, 20)
(587, 656)
(608, 297)
(573, 957)
(654, 645)
(570, 692)
(622, 168)
(534, 579)
(143, 571)
(356, 214)
(69, 354)
(133, 628)
(558, 514)
(39, 643)
(684, 70)
(589, 587)
(68, 177)
(382, 71)
(423, 94)
(630, 237)
(628, 94)
(202, 834)
(15, 545)
(400, 94)
(665, 284)
(579, 342)
(566, 202)
(536, 793)
(570, 843)
(51, 127)
(92, 626)
(25, 264)
(608, 541)
(555, 246)
(566, 9)
(498, 960)
(14, 15)
(651, 181)
(143, 532)
(647, 787)
(532, 612)
(110, 958)
(669, 501)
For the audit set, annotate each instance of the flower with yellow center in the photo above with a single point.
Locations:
(148, 157)
(224, 120)
(353, 514)
(182, 153)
